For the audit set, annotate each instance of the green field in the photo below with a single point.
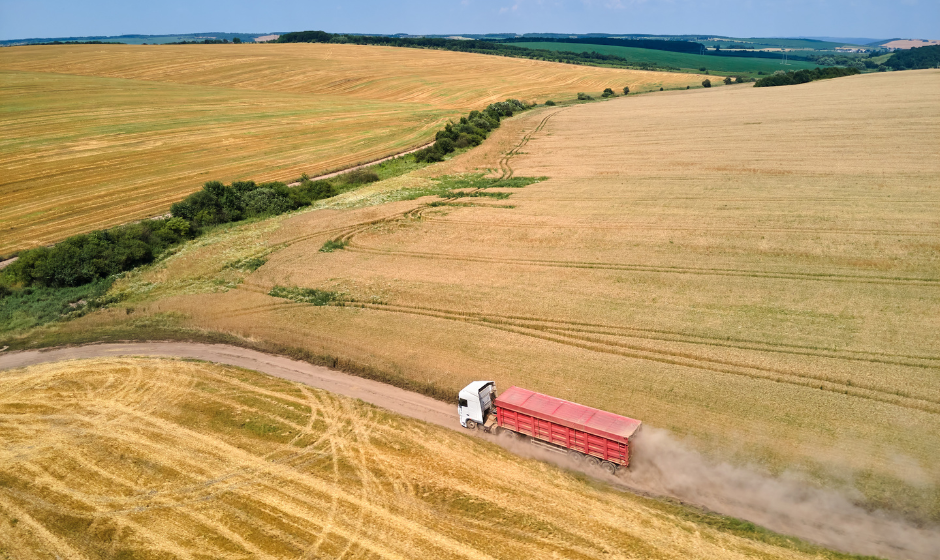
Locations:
(766, 42)
(716, 64)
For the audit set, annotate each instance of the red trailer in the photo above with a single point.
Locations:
(599, 437)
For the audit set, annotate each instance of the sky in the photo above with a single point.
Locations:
(878, 19)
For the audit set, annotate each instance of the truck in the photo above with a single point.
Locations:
(585, 434)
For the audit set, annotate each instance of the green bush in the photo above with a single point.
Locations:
(626, 90)
(584, 97)
(550, 103)
(706, 83)
(360, 177)
(607, 92)
(728, 81)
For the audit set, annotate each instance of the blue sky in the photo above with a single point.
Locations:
(838, 18)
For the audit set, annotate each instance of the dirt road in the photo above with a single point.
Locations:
(388, 397)
(664, 466)
(364, 165)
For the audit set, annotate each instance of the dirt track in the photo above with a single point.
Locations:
(388, 397)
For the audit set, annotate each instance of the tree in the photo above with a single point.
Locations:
(237, 40)
(626, 90)
(607, 92)
(706, 83)
(727, 80)
(738, 80)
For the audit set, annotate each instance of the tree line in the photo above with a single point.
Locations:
(87, 258)
(917, 58)
(804, 76)
(470, 131)
(468, 46)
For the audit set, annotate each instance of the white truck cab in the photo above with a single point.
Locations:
(475, 403)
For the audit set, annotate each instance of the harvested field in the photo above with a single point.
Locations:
(100, 135)
(755, 270)
(154, 458)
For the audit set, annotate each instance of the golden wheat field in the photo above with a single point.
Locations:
(755, 270)
(151, 458)
(100, 135)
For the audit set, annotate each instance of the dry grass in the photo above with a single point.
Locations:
(95, 136)
(149, 458)
(754, 269)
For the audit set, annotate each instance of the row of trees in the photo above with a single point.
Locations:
(804, 76)
(916, 58)
(471, 46)
(85, 258)
(470, 131)
(82, 259)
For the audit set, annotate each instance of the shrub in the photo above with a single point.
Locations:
(702, 69)
(660, 89)
(728, 81)
(607, 92)
(360, 177)
(266, 202)
(626, 90)
(333, 245)
(445, 145)
(584, 97)
(550, 103)
(706, 83)
(738, 80)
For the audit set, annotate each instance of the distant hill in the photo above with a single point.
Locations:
(847, 40)
(141, 39)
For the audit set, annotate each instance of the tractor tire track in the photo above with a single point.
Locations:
(506, 171)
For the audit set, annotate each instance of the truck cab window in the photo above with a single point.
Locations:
(461, 402)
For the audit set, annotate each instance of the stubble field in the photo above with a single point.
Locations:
(151, 458)
(98, 135)
(755, 270)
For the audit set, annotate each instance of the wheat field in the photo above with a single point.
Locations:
(151, 458)
(755, 270)
(100, 135)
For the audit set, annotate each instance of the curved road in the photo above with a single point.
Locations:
(897, 538)
(386, 396)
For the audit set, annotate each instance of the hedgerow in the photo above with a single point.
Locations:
(804, 76)
(470, 131)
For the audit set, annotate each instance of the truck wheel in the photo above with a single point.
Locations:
(471, 425)
(593, 461)
(576, 457)
(609, 467)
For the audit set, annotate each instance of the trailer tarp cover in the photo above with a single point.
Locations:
(566, 413)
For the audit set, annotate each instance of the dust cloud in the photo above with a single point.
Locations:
(663, 466)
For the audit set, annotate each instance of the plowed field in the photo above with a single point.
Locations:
(753, 269)
(150, 458)
(100, 135)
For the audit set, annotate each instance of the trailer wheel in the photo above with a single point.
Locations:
(576, 457)
(593, 461)
(609, 467)
(471, 425)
